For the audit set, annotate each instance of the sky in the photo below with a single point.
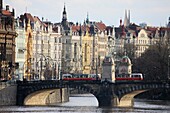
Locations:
(152, 12)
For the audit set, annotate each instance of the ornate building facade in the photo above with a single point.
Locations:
(7, 42)
(84, 46)
(40, 46)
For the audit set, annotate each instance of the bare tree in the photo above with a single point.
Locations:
(154, 62)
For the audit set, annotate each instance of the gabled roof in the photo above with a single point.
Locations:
(36, 19)
(29, 16)
(100, 25)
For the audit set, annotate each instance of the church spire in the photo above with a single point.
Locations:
(87, 19)
(129, 18)
(125, 19)
(65, 24)
(64, 14)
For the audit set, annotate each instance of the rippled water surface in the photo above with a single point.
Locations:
(88, 104)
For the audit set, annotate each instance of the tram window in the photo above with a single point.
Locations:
(136, 75)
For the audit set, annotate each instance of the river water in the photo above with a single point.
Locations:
(87, 103)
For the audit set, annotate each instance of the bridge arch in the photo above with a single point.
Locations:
(127, 100)
(38, 97)
(40, 93)
(93, 90)
(126, 95)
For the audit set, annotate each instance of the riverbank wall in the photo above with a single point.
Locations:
(7, 94)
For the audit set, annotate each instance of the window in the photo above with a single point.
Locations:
(85, 53)
(75, 50)
(59, 49)
(142, 35)
(20, 55)
(60, 40)
(55, 38)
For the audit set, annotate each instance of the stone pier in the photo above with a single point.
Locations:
(8, 94)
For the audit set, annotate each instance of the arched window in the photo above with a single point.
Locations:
(85, 52)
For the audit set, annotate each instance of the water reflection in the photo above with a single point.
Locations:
(89, 104)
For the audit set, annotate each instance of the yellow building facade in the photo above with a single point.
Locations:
(29, 51)
(86, 53)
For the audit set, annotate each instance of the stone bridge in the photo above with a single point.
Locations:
(107, 93)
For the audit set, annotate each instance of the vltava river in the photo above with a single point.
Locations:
(87, 103)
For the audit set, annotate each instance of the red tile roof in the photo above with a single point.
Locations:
(84, 28)
(164, 29)
(101, 26)
(152, 28)
(7, 13)
(75, 28)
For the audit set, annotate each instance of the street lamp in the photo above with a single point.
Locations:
(168, 74)
(41, 64)
(48, 58)
(58, 76)
(44, 67)
(169, 67)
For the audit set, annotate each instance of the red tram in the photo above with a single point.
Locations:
(132, 77)
(80, 77)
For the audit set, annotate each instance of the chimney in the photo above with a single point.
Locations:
(13, 12)
(120, 22)
(7, 7)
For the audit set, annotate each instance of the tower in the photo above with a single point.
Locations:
(127, 18)
(87, 19)
(64, 19)
(64, 23)
(108, 66)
